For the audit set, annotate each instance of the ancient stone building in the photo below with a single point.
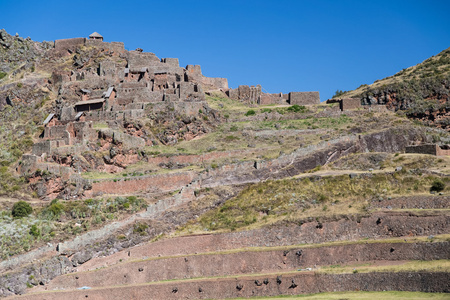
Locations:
(254, 95)
(246, 94)
(304, 98)
(346, 103)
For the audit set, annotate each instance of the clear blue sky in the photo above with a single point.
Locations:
(282, 45)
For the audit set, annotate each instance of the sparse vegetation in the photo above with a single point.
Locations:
(296, 108)
(58, 220)
(339, 93)
(294, 199)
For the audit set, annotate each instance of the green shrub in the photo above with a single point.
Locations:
(339, 93)
(437, 186)
(230, 138)
(21, 209)
(296, 108)
(251, 112)
(35, 231)
(2, 75)
(55, 209)
(140, 228)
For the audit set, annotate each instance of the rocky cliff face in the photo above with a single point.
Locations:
(422, 91)
(16, 51)
(426, 99)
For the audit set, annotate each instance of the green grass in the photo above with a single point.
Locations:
(100, 125)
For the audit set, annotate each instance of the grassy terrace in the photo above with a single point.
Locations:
(298, 198)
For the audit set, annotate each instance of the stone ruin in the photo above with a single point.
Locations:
(254, 95)
(432, 149)
(346, 103)
(122, 86)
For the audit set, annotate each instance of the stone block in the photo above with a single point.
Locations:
(69, 43)
(304, 98)
(350, 103)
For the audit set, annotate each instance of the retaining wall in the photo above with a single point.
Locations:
(378, 226)
(156, 183)
(269, 285)
(247, 262)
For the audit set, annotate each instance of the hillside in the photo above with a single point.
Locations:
(124, 175)
(422, 91)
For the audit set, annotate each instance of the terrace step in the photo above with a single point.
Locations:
(249, 261)
(271, 284)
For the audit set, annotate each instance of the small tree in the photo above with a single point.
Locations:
(339, 93)
(35, 231)
(21, 209)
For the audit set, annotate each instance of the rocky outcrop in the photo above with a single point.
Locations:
(16, 51)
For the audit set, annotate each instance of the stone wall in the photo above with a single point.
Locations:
(194, 74)
(304, 98)
(155, 183)
(69, 43)
(432, 149)
(263, 285)
(423, 149)
(112, 46)
(41, 148)
(72, 43)
(214, 83)
(71, 133)
(346, 103)
(244, 262)
(279, 98)
(125, 140)
(350, 103)
(141, 59)
(246, 94)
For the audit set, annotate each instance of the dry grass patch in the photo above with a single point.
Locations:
(296, 199)
(442, 265)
